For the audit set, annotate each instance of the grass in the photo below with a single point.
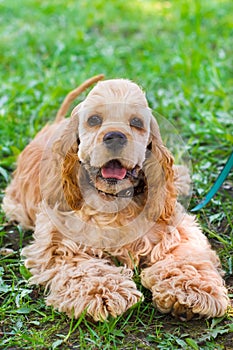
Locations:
(180, 52)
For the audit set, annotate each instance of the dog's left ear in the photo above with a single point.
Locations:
(160, 177)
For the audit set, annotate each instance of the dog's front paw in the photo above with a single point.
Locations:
(113, 299)
(94, 286)
(197, 302)
(186, 290)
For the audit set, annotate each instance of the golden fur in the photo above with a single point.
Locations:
(82, 226)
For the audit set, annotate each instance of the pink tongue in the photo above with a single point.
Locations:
(113, 170)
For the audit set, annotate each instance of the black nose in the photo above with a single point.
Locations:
(114, 140)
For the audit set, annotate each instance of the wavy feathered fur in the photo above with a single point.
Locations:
(81, 227)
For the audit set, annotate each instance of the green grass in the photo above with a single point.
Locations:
(180, 52)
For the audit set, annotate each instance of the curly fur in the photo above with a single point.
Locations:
(75, 217)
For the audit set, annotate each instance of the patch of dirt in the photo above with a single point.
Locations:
(12, 238)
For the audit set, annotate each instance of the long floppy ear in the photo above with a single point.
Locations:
(60, 169)
(160, 177)
(69, 176)
(71, 165)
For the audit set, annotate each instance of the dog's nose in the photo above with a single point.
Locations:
(115, 140)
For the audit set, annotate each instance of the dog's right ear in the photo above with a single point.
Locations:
(70, 178)
(70, 166)
(60, 166)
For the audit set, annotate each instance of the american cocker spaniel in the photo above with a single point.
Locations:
(100, 190)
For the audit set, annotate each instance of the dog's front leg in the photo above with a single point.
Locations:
(95, 286)
(75, 279)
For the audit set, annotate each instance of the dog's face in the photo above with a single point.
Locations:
(114, 133)
(117, 153)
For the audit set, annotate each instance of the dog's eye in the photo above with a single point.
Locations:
(136, 122)
(94, 120)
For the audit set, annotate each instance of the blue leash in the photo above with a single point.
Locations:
(218, 183)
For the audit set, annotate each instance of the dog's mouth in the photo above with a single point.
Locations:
(114, 171)
(114, 179)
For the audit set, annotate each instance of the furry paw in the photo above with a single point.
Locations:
(186, 291)
(191, 304)
(94, 286)
(185, 304)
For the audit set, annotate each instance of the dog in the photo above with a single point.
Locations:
(100, 190)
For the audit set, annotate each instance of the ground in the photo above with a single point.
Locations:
(180, 53)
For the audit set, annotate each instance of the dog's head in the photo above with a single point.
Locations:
(114, 129)
(119, 151)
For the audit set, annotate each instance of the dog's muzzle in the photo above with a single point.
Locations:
(115, 175)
